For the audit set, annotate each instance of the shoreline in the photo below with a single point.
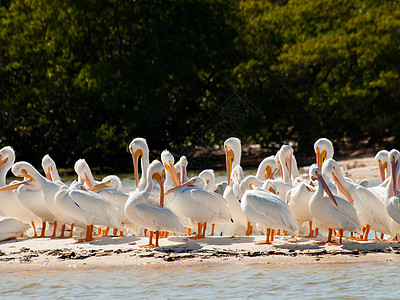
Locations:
(124, 252)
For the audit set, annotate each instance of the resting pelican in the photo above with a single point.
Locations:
(50, 169)
(298, 199)
(10, 205)
(11, 228)
(192, 201)
(111, 189)
(268, 211)
(208, 176)
(332, 211)
(48, 190)
(86, 208)
(141, 210)
(371, 210)
(180, 168)
(267, 168)
(172, 178)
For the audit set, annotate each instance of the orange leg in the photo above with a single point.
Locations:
(157, 237)
(212, 229)
(35, 235)
(199, 232)
(105, 232)
(42, 234)
(272, 234)
(340, 236)
(53, 236)
(115, 231)
(89, 234)
(62, 231)
(189, 231)
(71, 231)
(150, 244)
(9, 239)
(311, 234)
(382, 236)
(267, 234)
(203, 235)
(367, 228)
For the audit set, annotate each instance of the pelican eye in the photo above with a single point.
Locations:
(277, 193)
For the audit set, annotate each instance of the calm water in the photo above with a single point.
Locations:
(321, 281)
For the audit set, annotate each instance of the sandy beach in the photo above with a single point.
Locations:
(105, 252)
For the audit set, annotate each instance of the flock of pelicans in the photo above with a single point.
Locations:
(165, 201)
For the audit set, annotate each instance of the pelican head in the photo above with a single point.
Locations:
(394, 156)
(316, 174)
(233, 153)
(7, 156)
(48, 166)
(138, 148)
(267, 168)
(382, 159)
(84, 173)
(168, 160)
(323, 150)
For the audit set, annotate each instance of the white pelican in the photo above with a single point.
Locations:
(48, 190)
(145, 213)
(11, 228)
(111, 189)
(268, 211)
(233, 153)
(392, 200)
(332, 211)
(180, 168)
(9, 202)
(192, 201)
(298, 199)
(267, 168)
(209, 177)
(50, 169)
(172, 178)
(140, 150)
(323, 149)
(86, 208)
(284, 162)
(371, 210)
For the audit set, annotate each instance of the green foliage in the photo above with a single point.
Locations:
(83, 78)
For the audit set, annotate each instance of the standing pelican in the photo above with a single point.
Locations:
(86, 208)
(233, 154)
(140, 150)
(371, 210)
(140, 209)
(332, 211)
(268, 211)
(111, 189)
(172, 179)
(192, 201)
(392, 199)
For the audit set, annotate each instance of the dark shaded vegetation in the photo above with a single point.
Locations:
(81, 79)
